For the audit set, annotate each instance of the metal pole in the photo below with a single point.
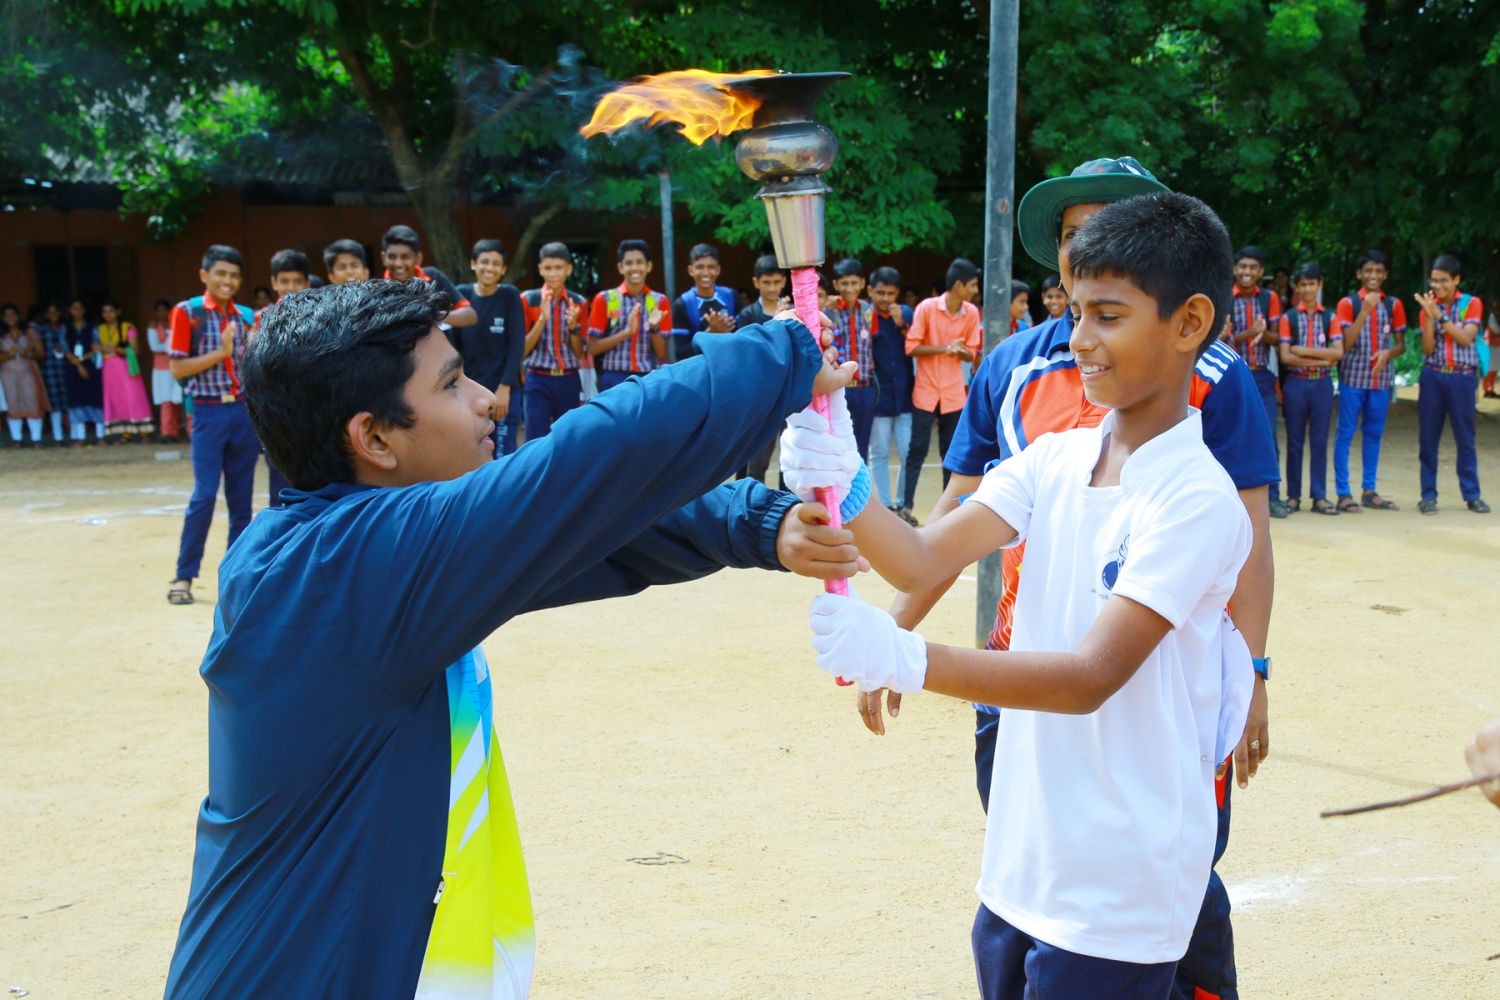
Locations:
(669, 255)
(999, 231)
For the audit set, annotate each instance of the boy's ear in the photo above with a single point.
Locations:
(1196, 322)
(368, 444)
(649, 265)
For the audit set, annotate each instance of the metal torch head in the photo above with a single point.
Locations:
(786, 150)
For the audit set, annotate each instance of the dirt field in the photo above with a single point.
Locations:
(820, 862)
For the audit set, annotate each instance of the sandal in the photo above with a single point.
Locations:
(1427, 507)
(1374, 501)
(1478, 506)
(180, 595)
(1278, 509)
(1324, 507)
(1292, 506)
(1348, 506)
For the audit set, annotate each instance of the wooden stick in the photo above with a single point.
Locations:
(1431, 793)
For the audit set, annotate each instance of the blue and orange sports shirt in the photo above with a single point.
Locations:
(1315, 327)
(1246, 309)
(1377, 333)
(1029, 386)
(1448, 353)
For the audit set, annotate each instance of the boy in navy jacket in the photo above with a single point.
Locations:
(358, 839)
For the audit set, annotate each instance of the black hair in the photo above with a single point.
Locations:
(111, 303)
(1018, 288)
(487, 246)
(219, 252)
(263, 288)
(554, 251)
(699, 251)
(9, 305)
(766, 265)
(1252, 252)
(290, 260)
(1280, 270)
(1168, 244)
(313, 281)
(885, 275)
(404, 235)
(1374, 257)
(961, 272)
(628, 245)
(1311, 271)
(1449, 263)
(825, 284)
(323, 356)
(1050, 282)
(164, 302)
(338, 248)
(847, 268)
(912, 289)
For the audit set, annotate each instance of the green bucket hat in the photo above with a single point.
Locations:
(1040, 214)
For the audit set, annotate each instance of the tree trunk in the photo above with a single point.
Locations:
(520, 261)
(442, 245)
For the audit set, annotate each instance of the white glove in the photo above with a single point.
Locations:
(811, 457)
(863, 644)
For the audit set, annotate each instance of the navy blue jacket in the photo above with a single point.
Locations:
(893, 366)
(320, 844)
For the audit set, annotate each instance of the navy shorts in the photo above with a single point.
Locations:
(1013, 965)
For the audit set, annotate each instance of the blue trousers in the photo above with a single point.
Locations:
(608, 380)
(1368, 408)
(1208, 965)
(549, 397)
(1447, 396)
(224, 445)
(861, 400)
(507, 432)
(889, 434)
(1265, 384)
(1013, 965)
(1309, 407)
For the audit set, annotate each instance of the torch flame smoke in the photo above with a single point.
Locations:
(693, 98)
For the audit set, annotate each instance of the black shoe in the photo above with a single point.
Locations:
(1478, 506)
(1278, 508)
(1427, 507)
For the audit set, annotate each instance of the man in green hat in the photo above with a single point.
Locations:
(1030, 386)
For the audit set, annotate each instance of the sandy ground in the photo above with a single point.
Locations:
(819, 861)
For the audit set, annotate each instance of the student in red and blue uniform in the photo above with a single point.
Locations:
(853, 325)
(1451, 322)
(494, 347)
(554, 343)
(1029, 386)
(209, 334)
(1253, 332)
(345, 619)
(402, 252)
(1374, 336)
(707, 307)
(625, 323)
(1311, 344)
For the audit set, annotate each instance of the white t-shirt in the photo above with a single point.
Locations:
(1101, 827)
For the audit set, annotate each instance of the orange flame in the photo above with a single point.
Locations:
(693, 98)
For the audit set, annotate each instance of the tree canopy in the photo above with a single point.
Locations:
(1315, 127)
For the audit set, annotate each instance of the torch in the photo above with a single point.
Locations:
(784, 149)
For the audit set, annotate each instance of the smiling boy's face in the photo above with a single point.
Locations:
(849, 286)
(1126, 353)
(347, 267)
(1247, 272)
(1308, 289)
(634, 268)
(1372, 276)
(402, 261)
(451, 434)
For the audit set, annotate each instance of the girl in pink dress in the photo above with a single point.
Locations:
(127, 411)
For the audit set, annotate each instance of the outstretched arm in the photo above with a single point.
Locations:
(914, 560)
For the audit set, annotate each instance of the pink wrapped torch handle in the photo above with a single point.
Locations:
(805, 302)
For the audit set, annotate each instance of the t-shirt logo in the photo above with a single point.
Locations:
(497, 325)
(1112, 568)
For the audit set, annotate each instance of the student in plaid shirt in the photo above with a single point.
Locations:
(208, 338)
(1253, 325)
(625, 323)
(554, 323)
(1374, 336)
(1450, 326)
(853, 326)
(1311, 343)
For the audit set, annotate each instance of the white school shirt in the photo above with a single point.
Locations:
(1101, 827)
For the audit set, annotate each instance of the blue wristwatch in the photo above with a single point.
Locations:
(1262, 665)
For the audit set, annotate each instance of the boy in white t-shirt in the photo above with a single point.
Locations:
(1125, 685)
